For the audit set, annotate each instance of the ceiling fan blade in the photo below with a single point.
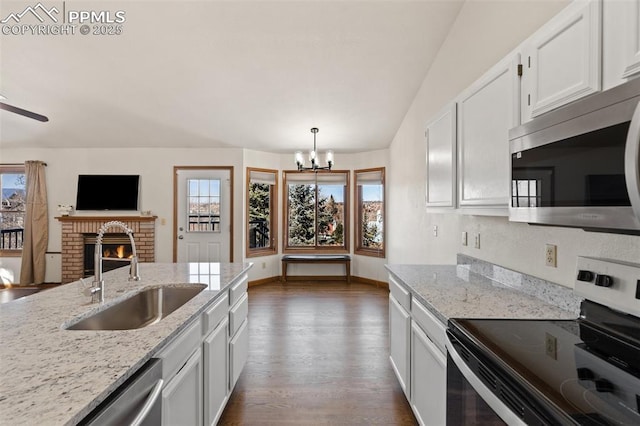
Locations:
(24, 112)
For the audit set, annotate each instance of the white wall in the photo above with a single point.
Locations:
(155, 167)
(484, 32)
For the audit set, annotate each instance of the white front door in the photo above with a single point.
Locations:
(203, 222)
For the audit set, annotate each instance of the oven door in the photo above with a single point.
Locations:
(469, 401)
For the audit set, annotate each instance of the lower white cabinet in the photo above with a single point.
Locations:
(182, 396)
(428, 379)
(202, 364)
(216, 372)
(399, 340)
(418, 354)
(238, 353)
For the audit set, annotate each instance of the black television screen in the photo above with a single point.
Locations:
(107, 192)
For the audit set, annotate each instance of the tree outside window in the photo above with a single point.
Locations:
(12, 212)
(262, 200)
(371, 212)
(316, 210)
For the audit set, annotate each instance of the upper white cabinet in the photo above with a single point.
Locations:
(440, 134)
(562, 60)
(620, 42)
(486, 112)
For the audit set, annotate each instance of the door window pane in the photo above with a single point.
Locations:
(203, 196)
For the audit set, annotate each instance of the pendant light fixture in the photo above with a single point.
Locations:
(313, 157)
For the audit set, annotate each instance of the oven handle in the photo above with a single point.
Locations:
(631, 159)
(484, 392)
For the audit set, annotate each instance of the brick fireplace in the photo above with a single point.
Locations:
(75, 229)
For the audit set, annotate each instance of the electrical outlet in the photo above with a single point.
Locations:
(264, 265)
(476, 242)
(435, 230)
(464, 238)
(550, 255)
(551, 346)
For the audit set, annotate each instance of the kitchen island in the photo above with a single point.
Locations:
(53, 376)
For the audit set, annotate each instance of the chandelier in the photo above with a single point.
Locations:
(313, 157)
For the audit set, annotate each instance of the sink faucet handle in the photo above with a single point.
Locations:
(95, 293)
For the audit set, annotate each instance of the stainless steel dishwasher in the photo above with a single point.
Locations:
(135, 402)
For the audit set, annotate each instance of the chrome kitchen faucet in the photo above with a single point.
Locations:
(98, 282)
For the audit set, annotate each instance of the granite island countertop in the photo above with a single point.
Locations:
(455, 291)
(53, 376)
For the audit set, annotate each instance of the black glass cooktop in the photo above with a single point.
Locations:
(579, 372)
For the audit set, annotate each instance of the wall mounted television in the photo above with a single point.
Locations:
(107, 192)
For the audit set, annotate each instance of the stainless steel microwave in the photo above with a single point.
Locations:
(577, 166)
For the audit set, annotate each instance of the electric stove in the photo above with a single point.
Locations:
(576, 372)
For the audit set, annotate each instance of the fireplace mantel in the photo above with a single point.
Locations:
(103, 219)
(74, 229)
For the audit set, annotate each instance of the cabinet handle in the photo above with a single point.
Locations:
(148, 404)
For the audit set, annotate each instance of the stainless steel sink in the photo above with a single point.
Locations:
(140, 310)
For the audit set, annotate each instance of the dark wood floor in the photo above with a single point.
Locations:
(318, 356)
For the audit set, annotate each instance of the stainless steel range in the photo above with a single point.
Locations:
(553, 372)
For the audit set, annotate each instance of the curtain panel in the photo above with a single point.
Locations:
(36, 226)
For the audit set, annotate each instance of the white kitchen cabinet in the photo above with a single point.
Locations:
(399, 340)
(441, 159)
(182, 372)
(238, 353)
(486, 111)
(216, 372)
(238, 335)
(418, 354)
(428, 367)
(182, 396)
(215, 356)
(202, 364)
(562, 60)
(620, 42)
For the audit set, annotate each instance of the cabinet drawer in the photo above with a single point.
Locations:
(174, 356)
(238, 289)
(215, 314)
(399, 293)
(431, 325)
(238, 314)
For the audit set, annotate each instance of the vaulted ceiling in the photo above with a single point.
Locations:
(252, 74)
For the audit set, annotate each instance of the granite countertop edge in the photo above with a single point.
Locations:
(58, 376)
(455, 291)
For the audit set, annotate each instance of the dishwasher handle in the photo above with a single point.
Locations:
(149, 403)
